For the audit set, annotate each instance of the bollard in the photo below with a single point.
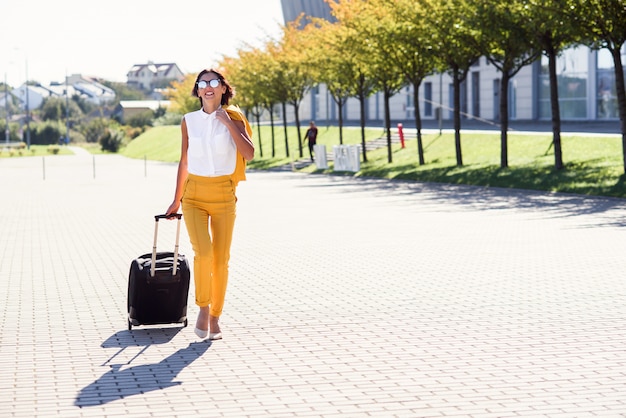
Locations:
(401, 134)
(320, 157)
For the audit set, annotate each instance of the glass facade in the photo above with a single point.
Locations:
(586, 86)
(428, 99)
(572, 71)
(606, 94)
(315, 8)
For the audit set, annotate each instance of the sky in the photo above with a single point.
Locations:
(47, 40)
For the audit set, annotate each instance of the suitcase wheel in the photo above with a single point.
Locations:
(130, 325)
(185, 323)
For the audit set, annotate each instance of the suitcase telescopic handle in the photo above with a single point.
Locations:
(154, 244)
(166, 216)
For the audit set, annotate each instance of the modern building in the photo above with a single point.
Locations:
(587, 90)
(315, 8)
(586, 82)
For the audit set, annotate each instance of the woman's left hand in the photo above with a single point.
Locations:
(222, 115)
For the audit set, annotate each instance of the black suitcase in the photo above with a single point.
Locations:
(158, 285)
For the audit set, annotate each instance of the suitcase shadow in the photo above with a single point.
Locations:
(143, 337)
(119, 382)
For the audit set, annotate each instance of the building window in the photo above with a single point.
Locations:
(409, 108)
(572, 74)
(428, 99)
(606, 97)
(464, 112)
(476, 94)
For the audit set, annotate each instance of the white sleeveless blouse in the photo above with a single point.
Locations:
(212, 151)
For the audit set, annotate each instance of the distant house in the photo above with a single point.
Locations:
(3, 99)
(31, 97)
(129, 108)
(91, 89)
(152, 76)
(86, 88)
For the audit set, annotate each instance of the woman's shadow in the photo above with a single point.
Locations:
(120, 383)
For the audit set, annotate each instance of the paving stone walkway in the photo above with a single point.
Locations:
(348, 297)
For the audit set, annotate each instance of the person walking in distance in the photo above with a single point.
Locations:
(216, 143)
(311, 135)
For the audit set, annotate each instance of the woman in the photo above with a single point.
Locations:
(215, 146)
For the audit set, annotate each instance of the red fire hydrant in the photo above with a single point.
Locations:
(401, 134)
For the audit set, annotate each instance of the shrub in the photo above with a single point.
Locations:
(142, 119)
(111, 141)
(53, 149)
(168, 118)
(134, 132)
(46, 133)
(95, 130)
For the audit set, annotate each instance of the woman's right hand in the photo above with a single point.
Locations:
(173, 209)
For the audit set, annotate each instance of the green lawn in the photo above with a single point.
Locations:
(593, 164)
(34, 151)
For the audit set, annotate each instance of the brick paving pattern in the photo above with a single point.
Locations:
(347, 297)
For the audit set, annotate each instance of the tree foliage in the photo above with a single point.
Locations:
(455, 36)
(508, 42)
(181, 99)
(603, 25)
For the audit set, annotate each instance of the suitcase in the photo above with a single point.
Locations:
(158, 285)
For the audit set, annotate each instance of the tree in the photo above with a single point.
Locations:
(603, 24)
(413, 52)
(332, 56)
(281, 90)
(454, 41)
(375, 25)
(243, 75)
(361, 83)
(54, 108)
(180, 95)
(509, 44)
(268, 79)
(297, 75)
(554, 31)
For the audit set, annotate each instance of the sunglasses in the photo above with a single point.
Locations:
(213, 83)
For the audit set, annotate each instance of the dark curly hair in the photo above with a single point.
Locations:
(228, 94)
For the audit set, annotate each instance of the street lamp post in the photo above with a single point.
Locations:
(7, 131)
(67, 112)
(27, 109)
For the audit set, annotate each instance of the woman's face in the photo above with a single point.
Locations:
(210, 87)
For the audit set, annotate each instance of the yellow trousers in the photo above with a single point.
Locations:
(209, 207)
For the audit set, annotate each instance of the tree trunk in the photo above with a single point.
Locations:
(258, 127)
(556, 112)
(272, 125)
(418, 122)
(621, 95)
(340, 107)
(457, 116)
(285, 126)
(388, 125)
(504, 119)
(296, 109)
(362, 103)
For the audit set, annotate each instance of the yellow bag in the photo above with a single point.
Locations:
(240, 168)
